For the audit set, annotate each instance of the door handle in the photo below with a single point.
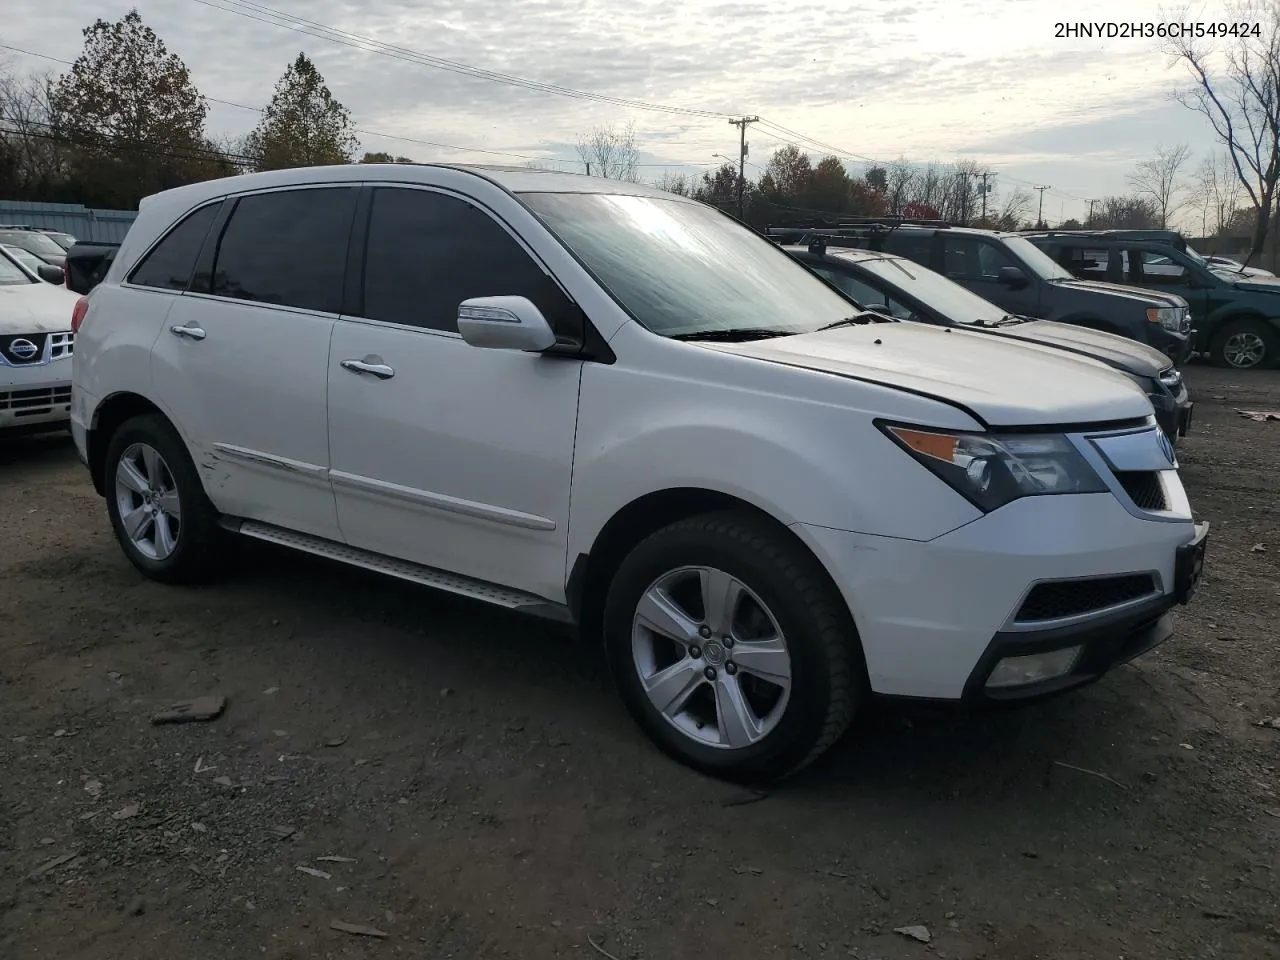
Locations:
(190, 332)
(379, 370)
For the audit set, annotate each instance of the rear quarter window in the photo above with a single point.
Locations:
(170, 263)
(913, 246)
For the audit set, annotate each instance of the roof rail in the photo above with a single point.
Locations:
(894, 222)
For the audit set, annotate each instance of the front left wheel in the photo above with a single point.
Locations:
(732, 648)
(157, 505)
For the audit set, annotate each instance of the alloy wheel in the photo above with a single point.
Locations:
(711, 657)
(147, 500)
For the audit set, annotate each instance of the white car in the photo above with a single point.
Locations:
(602, 403)
(35, 351)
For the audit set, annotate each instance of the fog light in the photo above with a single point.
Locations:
(1034, 667)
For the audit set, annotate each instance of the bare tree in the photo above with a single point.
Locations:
(1013, 209)
(37, 157)
(900, 181)
(1215, 194)
(611, 152)
(678, 183)
(1160, 180)
(1240, 97)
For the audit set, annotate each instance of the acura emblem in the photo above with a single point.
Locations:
(1166, 447)
(23, 349)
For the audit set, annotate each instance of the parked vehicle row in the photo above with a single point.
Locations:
(1237, 315)
(908, 291)
(1014, 274)
(605, 404)
(35, 349)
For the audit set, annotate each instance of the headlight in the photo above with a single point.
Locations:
(1168, 317)
(1171, 378)
(991, 471)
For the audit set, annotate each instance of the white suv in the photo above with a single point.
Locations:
(599, 402)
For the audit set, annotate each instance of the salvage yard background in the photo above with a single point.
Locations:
(485, 796)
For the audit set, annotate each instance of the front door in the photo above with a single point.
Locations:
(242, 359)
(442, 453)
(974, 262)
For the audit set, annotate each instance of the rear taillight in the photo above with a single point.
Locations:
(77, 314)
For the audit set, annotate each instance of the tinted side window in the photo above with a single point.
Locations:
(912, 245)
(287, 248)
(169, 264)
(1159, 268)
(429, 251)
(972, 259)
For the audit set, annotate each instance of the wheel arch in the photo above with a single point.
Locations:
(591, 572)
(107, 418)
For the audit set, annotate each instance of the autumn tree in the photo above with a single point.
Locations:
(1215, 194)
(720, 187)
(381, 157)
(611, 152)
(681, 184)
(1160, 180)
(1124, 213)
(304, 125)
(131, 115)
(1235, 84)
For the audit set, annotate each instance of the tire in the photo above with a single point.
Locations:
(1245, 345)
(148, 468)
(787, 726)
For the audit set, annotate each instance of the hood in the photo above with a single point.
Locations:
(1005, 383)
(1141, 295)
(1258, 284)
(1112, 349)
(35, 308)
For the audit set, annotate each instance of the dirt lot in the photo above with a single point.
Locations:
(494, 800)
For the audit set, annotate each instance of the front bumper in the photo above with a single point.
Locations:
(1174, 345)
(929, 613)
(35, 397)
(1173, 413)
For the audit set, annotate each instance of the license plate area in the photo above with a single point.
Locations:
(1188, 569)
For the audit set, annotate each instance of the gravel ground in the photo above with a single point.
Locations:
(488, 797)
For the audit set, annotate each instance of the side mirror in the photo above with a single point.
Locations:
(504, 323)
(1012, 277)
(49, 273)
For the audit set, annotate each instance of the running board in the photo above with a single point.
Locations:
(454, 583)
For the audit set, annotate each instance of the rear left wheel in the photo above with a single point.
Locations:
(157, 505)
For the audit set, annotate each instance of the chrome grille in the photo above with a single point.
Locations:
(61, 345)
(14, 349)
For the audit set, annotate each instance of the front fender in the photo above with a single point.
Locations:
(798, 459)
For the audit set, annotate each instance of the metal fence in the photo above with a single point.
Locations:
(83, 223)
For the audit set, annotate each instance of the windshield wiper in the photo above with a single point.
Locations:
(860, 320)
(735, 334)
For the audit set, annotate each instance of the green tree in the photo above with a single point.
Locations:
(303, 125)
(130, 115)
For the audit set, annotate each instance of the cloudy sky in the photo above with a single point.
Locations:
(876, 79)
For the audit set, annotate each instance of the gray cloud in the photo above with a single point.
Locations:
(790, 62)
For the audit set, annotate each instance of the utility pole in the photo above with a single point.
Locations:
(1040, 215)
(984, 190)
(1090, 220)
(741, 124)
(588, 163)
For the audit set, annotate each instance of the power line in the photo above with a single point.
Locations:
(265, 14)
(378, 133)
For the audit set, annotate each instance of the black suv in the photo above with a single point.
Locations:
(1237, 316)
(1015, 275)
(903, 289)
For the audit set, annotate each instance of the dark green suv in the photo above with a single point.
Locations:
(1237, 318)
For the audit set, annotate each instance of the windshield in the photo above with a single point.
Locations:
(933, 290)
(1041, 264)
(682, 268)
(12, 275)
(24, 257)
(37, 243)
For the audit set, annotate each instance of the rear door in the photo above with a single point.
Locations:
(242, 358)
(446, 454)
